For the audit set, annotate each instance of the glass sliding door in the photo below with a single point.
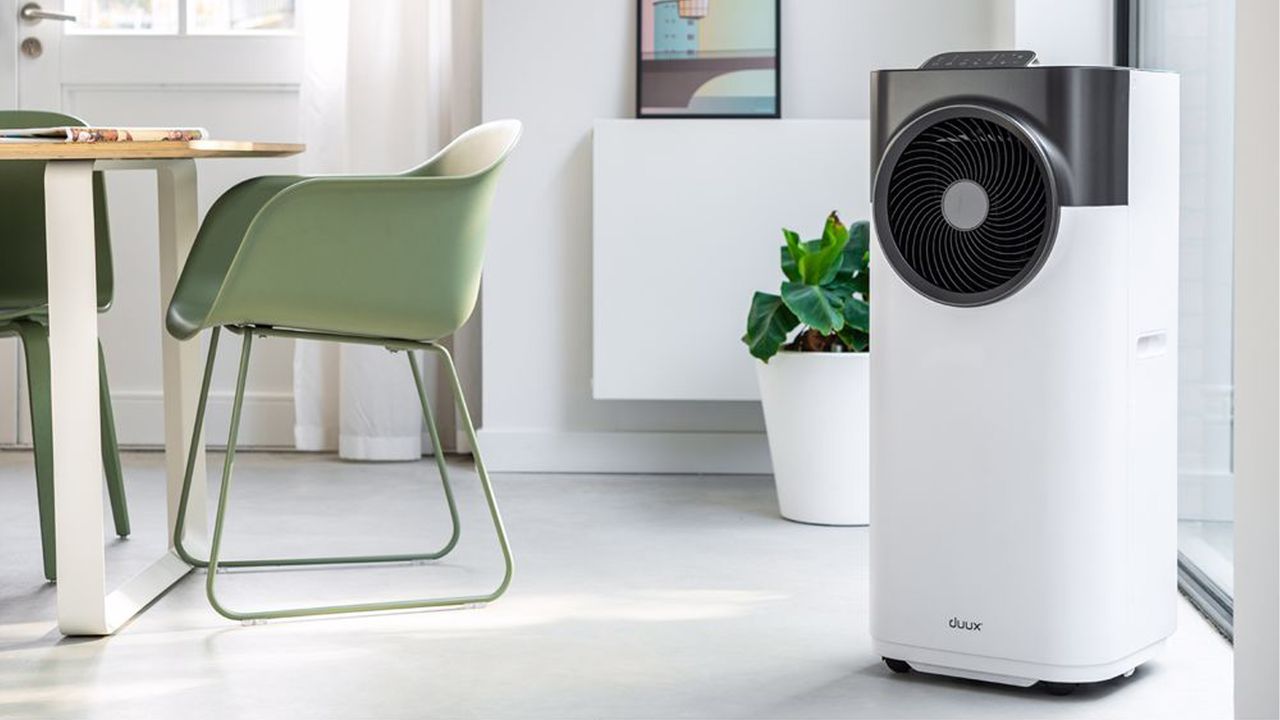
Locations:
(1196, 38)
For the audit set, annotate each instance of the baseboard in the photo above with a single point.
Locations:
(265, 421)
(625, 452)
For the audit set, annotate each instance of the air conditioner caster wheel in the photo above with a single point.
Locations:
(1058, 689)
(898, 666)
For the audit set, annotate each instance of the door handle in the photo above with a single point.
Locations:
(33, 13)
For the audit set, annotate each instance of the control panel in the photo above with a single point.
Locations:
(980, 60)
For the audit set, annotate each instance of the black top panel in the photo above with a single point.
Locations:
(976, 59)
(1081, 114)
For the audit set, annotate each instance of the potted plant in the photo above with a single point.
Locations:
(815, 383)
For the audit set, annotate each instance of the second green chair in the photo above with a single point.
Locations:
(24, 297)
(391, 260)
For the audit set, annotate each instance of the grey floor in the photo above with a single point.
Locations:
(635, 597)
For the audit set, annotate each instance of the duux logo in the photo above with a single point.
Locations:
(958, 624)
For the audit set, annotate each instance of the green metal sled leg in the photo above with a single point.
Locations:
(180, 524)
(214, 561)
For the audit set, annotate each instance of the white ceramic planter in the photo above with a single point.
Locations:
(817, 412)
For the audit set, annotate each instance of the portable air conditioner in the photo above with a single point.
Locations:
(1024, 368)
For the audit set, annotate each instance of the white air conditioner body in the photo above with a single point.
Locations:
(1024, 381)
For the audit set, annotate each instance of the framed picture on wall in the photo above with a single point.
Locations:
(709, 59)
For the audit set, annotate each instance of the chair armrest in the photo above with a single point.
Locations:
(217, 245)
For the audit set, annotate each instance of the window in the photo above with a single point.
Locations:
(124, 16)
(182, 17)
(239, 16)
(1196, 38)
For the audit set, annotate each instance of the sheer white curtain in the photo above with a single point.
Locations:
(376, 98)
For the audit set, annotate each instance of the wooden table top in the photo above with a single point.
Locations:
(166, 150)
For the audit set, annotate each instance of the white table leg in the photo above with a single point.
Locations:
(179, 220)
(73, 352)
(84, 606)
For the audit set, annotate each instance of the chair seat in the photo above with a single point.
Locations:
(39, 313)
(8, 314)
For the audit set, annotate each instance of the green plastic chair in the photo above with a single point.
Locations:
(389, 260)
(24, 297)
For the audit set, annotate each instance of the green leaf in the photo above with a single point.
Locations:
(793, 245)
(855, 253)
(856, 333)
(842, 287)
(857, 314)
(862, 284)
(820, 265)
(860, 241)
(768, 324)
(855, 339)
(789, 267)
(815, 261)
(827, 288)
(815, 306)
(834, 231)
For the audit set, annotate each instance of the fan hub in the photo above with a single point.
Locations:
(965, 205)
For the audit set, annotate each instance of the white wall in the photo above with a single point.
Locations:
(1257, 357)
(559, 66)
(1078, 32)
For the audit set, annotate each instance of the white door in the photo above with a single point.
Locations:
(233, 67)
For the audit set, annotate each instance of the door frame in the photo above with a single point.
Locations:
(9, 367)
(1257, 354)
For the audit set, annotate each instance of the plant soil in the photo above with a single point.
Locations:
(813, 341)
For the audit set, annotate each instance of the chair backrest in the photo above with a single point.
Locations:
(452, 258)
(474, 151)
(23, 278)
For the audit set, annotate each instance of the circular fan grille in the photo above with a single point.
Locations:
(969, 210)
